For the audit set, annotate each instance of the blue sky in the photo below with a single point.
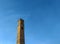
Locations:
(42, 21)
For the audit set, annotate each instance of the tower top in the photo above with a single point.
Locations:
(20, 19)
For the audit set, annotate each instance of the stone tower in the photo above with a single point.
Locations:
(20, 34)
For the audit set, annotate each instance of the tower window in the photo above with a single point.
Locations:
(22, 28)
